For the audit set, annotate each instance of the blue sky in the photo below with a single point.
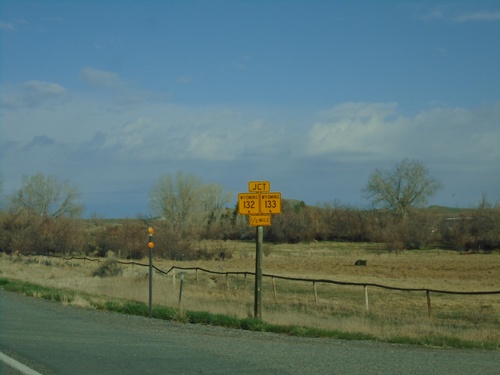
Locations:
(310, 95)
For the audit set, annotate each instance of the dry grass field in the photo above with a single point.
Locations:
(335, 307)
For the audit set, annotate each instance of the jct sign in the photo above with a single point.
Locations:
(259, 186)
(260, 203)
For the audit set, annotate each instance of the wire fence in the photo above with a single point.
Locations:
(273, 278)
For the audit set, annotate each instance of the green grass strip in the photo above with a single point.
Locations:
(249, 324)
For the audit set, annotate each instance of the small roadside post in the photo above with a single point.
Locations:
(259, 204)
(180, 289)
(151, 245)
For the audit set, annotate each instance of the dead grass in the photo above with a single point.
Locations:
(390, 314)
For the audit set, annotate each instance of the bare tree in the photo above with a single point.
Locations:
(46, 196)
(407, 185)
(187, 203)
(215, 201)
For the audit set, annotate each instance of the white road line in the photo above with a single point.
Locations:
(25, 370)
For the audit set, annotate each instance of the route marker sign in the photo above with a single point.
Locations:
(248, 204)
(270, 203)
(260, 203)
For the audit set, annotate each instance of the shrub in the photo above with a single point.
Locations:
(267, 249)
(473, 230)
(28, 233)
(110, 267)
(412, 232)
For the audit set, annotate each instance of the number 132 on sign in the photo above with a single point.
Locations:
(248, 203)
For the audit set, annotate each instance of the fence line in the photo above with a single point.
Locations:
(172, 269)
(245, 273)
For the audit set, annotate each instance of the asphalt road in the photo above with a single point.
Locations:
(55, 339)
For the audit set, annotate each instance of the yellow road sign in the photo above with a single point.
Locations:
(259, 186)
(259, 220)
(270, 203)
(248, 203)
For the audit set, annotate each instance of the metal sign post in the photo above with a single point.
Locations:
(257, 313)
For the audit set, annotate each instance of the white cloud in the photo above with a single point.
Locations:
(353, 128)
(39, 141)
(375, 131)
(458, 133)
(6, 26)
(211, 146)
(243, 61)
(164, 131)
(153, 132)
(101, 78)
(454, 13)
(32, 94)
(123, 97)
(478, 16)
(96, 147)
(175, 133)
(184, 79)
(44, 88)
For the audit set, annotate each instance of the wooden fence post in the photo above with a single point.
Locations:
(274, 290)
(315, 292)
(366, 297)
(180, 289)
(197, 279)
(429, 306)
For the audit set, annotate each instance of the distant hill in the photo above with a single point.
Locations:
(446, 209)
(449, 211)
